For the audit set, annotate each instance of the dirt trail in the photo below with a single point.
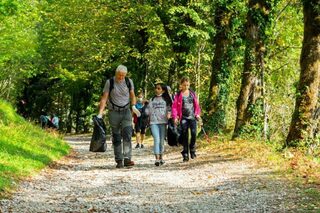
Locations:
(89, 182)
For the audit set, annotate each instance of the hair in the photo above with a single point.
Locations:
(166, 96)
(122, 68)
(184, 79)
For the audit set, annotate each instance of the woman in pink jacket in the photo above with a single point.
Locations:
(186, 110)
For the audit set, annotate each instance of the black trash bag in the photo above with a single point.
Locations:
(173, 134)
(99, 136)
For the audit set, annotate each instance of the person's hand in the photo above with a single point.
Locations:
(176, 121)
(136, 111)
(199, 119)
(99, 116)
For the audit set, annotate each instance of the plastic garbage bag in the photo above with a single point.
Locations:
(99, 136)
(173, 133)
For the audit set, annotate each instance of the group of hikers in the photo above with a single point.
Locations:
(49, 121)
(183, 108)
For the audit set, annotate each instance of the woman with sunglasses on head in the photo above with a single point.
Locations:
(186, 110)
(159, 110)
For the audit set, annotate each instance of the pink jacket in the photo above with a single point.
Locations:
(177, 105)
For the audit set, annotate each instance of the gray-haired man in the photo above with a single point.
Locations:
(118, 92)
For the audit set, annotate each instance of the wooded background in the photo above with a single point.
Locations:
(254, 64)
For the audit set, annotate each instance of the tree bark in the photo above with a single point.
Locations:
(251, 78)
(218, 90)
(305, 119)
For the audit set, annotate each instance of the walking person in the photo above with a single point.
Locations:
(140, 123)
(55, 121)
(118, 93)
(186, 111)
(159, 110)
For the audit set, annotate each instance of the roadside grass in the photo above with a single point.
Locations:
(24, 149)
(295, 165)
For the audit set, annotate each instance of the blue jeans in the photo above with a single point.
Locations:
(158, 133)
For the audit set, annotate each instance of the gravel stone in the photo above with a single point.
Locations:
(89, 182)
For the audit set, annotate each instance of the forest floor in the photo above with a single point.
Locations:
(89, 182)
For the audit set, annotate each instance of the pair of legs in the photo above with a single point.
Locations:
(121, 127)
(158, 133)
(140, 133)
(187, 124)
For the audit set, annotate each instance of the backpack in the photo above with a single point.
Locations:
(144, 118)
(111, 80)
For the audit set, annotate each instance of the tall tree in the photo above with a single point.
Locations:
(182, 25)
(18, 44)
(226, 12)
(250, 92)
(305, 122)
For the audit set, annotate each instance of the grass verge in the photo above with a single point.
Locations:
(24, 148)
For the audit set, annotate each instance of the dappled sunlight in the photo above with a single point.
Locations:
(214, 180)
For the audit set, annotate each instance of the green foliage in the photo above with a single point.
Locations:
(8, 115)
(282, 67)
(17, 46)
(7, 8)
(254, 129)
(56, 55)
(229, 22)
(24, 148)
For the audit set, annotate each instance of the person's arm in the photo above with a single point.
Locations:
(197, 109)
(133, 98)
(174, 109)
(103, 102)
(133, 103)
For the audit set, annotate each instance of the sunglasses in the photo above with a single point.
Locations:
(158, 88)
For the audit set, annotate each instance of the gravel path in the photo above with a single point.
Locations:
(89, 182)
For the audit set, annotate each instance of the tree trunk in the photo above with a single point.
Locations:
(198, 69)
(305, 119)
(171, 73)
(219, 90)
(250, 91)
(69, 121)
(263, 94)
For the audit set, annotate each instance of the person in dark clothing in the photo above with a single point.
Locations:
(186, 110)
(140, 123)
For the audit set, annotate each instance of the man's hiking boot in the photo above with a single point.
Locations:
(157, 163)
(138, 146)
(119, 164)
(193, 155)
(141, 146)
(128, 163)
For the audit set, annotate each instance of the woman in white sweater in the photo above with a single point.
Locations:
(159, 111)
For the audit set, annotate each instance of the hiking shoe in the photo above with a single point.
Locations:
(138, 146)
(119, 164)
(157, 163)
(128, 163)
(142, 146)
(193, 155)
(185, 158)
(162, 162)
